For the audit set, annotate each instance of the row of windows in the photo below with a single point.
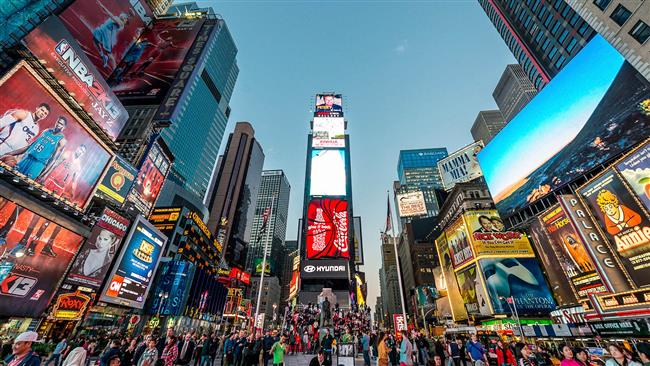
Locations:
(620, 15)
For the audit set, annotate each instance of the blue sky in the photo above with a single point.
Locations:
(413, 74)
(556, 121)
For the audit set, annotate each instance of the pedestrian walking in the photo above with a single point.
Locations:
(56, 354)
(382, 350)
(278, 350)
(21, 351)
(405, 350)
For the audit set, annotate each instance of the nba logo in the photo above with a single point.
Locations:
(62, 47)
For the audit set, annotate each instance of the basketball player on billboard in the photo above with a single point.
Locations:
(63, 176)
(19, 126)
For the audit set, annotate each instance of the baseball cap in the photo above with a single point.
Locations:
(27, 337)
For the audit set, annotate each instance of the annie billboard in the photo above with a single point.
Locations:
(60, 54)
(327, 229)
(592, 111)
(42, 140)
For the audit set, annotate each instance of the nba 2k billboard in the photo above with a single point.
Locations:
(151, 178)
(42, 140)
(38, 252)
(149, 68)
(60, 54)
(327, 229)
(106, 29)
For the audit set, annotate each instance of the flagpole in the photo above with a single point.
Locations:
(259, 291)
(399, 270)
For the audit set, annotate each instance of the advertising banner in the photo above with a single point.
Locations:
(258, 266)
(472, 291)
(622, 328)
(165, 219)
(411, 204)
(150, 179)
(117, 182)
(324, 269)
(149, 68)
(491, 239)
(458, 241)
(329, 105)
(635, 168)
(42, 140)
(60, 54)
(175, 279)
(563, 289)
(358, 241)
(584, 117)
(458, 312)
(133, 272)
(327, 229)
(294, 285)
(606, 261)
(328, 173)
(40, 252)
(519, 278)
(624, 223)
(106, 29)
(399, 323)
(70, 306)
(328, 132)
(427, 296)
(461, 166)
(96, 255)
(571, 253)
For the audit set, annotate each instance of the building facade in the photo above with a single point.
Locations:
(513, 91)
(486, 125)
(271, 291)
(624, 23)
(542, 35)
(274, 191)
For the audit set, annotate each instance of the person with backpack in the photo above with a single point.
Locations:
(454, 349)
(476, 351)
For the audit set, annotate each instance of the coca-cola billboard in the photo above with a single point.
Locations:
(327, 229)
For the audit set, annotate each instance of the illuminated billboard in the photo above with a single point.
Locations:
(328, 132)
(571, 253)
(461, 166)
(328, 173)
(623, 221)
(635, 168)
(60, 54)
(472, 291)
(132, 274)
(453, 293)
(96, 255)
(327, 229)
(358, 241)
(151, 178)
(519, 278)
(42, 140)
(117, 181)
(329, 105)
(106, 29)
(594, 109)
(37, 252)
(490, 238)
(150, 66)
(411, 204)
(459, 244)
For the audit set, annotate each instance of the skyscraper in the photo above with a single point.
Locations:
(487, 124)
(542, 35)
(233, 202)
(513, 91)
(275, 187)
(417, 170)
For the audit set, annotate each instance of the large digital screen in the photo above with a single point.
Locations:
(519, 278)
(490, 238)
(635, 168)
(60, 54)
(96, 255)
(327, 229)
(329, 105)
(151, 64)
(328, 132)
(106, 29)
(624, 222)
(117, 181)
(150, 180)
(571, 253)
(358, 241)
(460, 166)
(37, 253)
(411, 204)
(459, 243)
(593, 110)
(328, 173)
(42, 140)
(130, 279)
(174, 278)
(453, 293)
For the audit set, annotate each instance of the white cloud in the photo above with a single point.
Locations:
(402, 46)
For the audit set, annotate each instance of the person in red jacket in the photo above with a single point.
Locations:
(504, 355)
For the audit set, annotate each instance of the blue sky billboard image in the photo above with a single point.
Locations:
(594, 109)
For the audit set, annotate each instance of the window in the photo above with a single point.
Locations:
(602, 4)
(552, 53)
(574, 19)
(545, 45)
(563, 36)
(548, 20)
(556, 27)
(527, 21)
(640, 31)
(539, 37)
(620, 15)
(560, 61)
(571, 45)
(566, 11)
(583, 29)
